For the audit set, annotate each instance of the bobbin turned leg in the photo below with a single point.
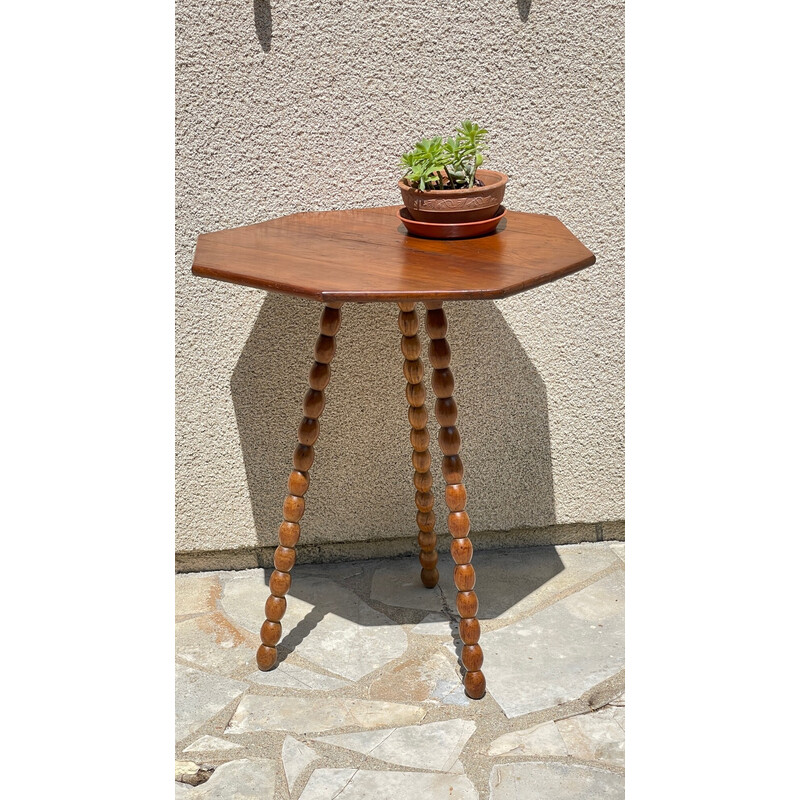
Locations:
(456, 498)
(421, 456)
(294, 504)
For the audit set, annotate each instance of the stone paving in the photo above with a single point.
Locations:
(366, 702)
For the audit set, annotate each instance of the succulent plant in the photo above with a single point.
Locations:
(451, 164)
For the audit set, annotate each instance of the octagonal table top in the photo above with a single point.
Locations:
(366, 255)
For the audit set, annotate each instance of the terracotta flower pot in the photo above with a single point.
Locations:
(456, 205)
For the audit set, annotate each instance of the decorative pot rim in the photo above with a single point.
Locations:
(501, 180)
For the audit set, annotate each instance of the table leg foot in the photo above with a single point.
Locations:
(475, 684)
(456, 498)
(413, 369)
(294, 504)
(266, 657)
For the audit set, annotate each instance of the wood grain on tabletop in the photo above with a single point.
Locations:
(366, 255)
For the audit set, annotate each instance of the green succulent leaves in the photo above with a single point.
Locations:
(450, 164)
(472, 141)
(425, 162)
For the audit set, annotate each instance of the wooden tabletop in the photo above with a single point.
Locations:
(366, 255)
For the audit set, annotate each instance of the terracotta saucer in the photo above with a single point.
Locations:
(458, 230)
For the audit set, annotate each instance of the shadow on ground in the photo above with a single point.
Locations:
(504, 579)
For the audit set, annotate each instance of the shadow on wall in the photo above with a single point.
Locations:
(361, 480)
(524, 8)
(262, 15)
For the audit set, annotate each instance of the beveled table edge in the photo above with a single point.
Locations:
(388, 296)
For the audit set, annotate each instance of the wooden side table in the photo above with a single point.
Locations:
(363, 256)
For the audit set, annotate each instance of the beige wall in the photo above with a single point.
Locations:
(288, 106)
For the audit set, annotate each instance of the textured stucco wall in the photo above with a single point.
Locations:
(287, 106)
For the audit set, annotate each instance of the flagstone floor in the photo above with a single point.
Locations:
(366, 700)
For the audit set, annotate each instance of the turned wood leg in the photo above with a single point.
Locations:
(420, 439)
(294, 504)
(456, 498)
